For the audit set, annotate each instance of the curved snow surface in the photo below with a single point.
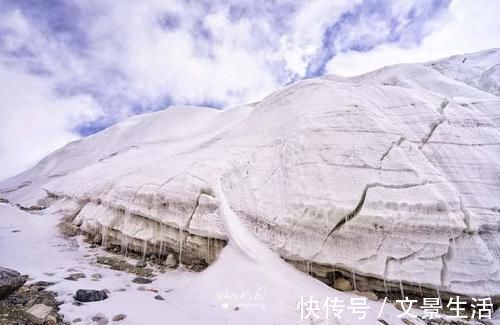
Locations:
(392, 175)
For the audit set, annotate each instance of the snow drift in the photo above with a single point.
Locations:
(391, 178)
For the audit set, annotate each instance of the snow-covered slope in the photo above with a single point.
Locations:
(392, 177)
(480, 69)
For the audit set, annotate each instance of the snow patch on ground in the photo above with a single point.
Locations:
(266, 291)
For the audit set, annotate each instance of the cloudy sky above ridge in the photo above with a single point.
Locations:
(70, 68)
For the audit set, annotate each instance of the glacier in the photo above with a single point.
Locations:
(390, 179)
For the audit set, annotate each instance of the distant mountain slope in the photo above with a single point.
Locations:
(391, 178)
(479, 69)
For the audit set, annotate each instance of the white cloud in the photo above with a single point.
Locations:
(33, 121)
(468, 26)
(300, 44)
(229, 69)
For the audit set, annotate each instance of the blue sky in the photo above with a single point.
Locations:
(70, 68)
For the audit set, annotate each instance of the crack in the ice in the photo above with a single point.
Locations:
(492, 209)
(10, 190)
(326, 129)
(378, 248)
(364, 166)
(180, 174)
(197, 204)
(386, 267)
(436, 124)
(360, 204)
(394, 144)
(182, 238)
(443, 105)
(389, 259)
(464, 144)
(440, 121)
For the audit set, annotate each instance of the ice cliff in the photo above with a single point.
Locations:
(391, 178)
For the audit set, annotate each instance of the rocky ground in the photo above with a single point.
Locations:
(31, 304)
(35, 303)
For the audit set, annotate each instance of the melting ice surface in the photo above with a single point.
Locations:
(391, 175)
(210, 297)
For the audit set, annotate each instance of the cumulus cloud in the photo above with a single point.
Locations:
(77, 66)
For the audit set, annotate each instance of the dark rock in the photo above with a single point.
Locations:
(75, 276)
(197, 267)
(31, 208)
(97, 239)
(407, 321)
(77, 320)
(10, 281)
(97, 317)
(18, 300)
(88, 295)
(27, 306)
(119, 317)
(141, 280)
(100, 319)
(158, 297)
(41, 285)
